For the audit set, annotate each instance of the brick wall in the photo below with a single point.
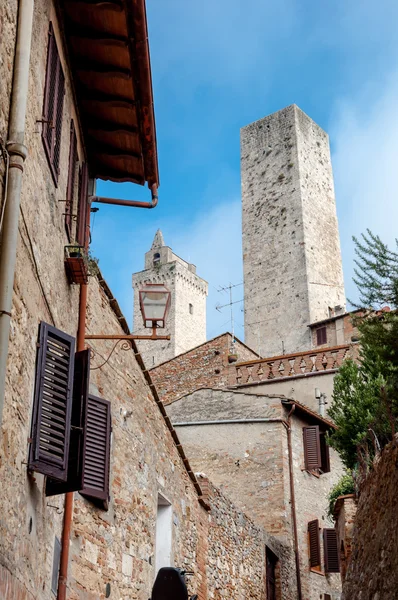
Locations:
(204, 366)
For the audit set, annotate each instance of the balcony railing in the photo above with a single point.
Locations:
(292, 365)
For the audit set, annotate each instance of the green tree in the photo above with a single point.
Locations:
(365, 395)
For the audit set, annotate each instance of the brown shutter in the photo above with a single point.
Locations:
(331, 551)
(325, 456)
(321, 336)
(97, 449)
(314, 544)
(312, 448)
(327, 597)
(52, 403)
(81, 384)
(82, 215)
(53, 105)
(71, 180)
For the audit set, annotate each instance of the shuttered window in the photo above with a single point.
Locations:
(312, 448)
(321, 336)
(70, 190)
(79, 406)
(53, 106)
(48, 453)
(327, 597)
(325, 458)
(314, 544)
(331, 551)
(97, 449)
(82, 213)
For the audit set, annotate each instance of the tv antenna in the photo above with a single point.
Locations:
(219, 307)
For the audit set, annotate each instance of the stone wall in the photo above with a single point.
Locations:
(372, 573)
(344, 514)
(291, 251)
(204, 366)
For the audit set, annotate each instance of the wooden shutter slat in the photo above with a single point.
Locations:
(314, 543)
(97, 449)
(312, 448)
(331, 551)
(81, 227)
(48, 453)
(75, 459)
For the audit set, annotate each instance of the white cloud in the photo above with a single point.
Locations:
(364, 135)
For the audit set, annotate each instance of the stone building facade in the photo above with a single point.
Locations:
(186, 321)
(240, 441)
(113, 547)
(291, 248)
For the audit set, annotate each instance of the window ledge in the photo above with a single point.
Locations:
(317, 571)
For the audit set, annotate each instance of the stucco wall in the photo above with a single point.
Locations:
(291, 250)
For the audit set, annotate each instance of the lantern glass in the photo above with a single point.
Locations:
(154, 304)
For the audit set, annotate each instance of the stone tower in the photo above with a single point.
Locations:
(186, 322)
(291, 248)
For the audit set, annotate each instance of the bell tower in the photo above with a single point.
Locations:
(186, 321)
(292, 266)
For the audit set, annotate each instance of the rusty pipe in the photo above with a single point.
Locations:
(130, 203)
(68, 506)
(293, 502)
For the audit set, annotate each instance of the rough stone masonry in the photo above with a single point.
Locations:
(291, 248)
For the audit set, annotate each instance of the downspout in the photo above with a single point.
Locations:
(293, 502)
(68, 505)
(130, 203)
(81, 334)
(17, 154)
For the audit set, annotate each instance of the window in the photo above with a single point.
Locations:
(331, 551)
(330, 548)
(156, 259)
(314, 544)
(82, 233)
(71, 430)
(191, 309)
(321, 336)
(163, 533)
(56, 561)
(272, 575)
(53, 106)
(70, 189)
(316, 450)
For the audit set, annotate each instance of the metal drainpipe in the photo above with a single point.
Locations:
(293, 502)
(68, 505)
(17, 153)
(131, 203)
(81, 334)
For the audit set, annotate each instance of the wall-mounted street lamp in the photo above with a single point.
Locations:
(154, 306)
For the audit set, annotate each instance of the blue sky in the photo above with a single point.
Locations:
(218, 65)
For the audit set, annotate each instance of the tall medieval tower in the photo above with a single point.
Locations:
(186, 322)
(292, 266)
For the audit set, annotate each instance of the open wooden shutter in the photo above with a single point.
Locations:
(82, 214)
(71, 180)
(81, 384)
(52, 403)
(53, 105)
(97, 444)
(331, 551)
(312, 448)
(314, 543)
(325, 457)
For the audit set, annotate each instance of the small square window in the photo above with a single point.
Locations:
(321, 336)
(191, 309)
